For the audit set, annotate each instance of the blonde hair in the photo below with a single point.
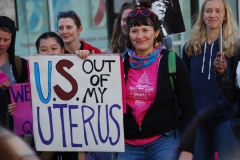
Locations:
(229, 30)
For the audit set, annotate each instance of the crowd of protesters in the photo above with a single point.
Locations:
(189, 115)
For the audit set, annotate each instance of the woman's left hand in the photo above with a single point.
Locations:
(220, 63)
(184, 155)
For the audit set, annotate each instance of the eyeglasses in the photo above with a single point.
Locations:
(67, 13)
(145, 12)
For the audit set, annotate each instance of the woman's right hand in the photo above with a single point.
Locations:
(5, 85)
(11, 108)
(220, 63)
(84, 53)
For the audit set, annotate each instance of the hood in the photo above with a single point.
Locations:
(7, 22)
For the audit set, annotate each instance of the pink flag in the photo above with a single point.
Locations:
(22, 117)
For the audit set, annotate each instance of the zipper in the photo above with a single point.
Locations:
(140, 128)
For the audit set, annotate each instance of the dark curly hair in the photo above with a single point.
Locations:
(139, 20)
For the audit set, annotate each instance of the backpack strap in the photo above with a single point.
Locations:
(172, 76)
(18, 63)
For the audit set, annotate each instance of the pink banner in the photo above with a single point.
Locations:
(22, 117)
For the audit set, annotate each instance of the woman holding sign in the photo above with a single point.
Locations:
(69, 29)
(214, 111)
(13, 66)
(152, 123)
(47, 43)
(50, 43)
(151, 126)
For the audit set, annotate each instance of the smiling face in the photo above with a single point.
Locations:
(68, 30)
(159, 8)
(142, 38)
(123, 20)
(5, 41)
(49, 46)
(211, 14)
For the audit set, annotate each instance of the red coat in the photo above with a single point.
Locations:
(86, 46)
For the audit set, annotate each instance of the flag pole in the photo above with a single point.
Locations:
(220, 35)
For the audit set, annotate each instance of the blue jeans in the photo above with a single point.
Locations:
(165, 148)
(220, 138)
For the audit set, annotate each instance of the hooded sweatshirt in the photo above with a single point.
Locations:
(7, 22)
(211, 105)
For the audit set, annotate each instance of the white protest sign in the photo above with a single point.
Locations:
(77, 104)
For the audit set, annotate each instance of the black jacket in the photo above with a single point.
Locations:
(3, 107)
(160, 118)
(227, 81)
(24, 74)
(19, 79)
(228, 86)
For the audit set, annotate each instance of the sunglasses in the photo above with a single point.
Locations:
(145, 12)
(67, 13)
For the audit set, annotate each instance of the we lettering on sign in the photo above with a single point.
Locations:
(22, 117)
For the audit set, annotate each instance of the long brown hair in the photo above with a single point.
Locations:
(119, 39)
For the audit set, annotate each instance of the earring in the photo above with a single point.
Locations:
(156, 43)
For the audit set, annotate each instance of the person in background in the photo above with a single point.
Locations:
(119, 37)
(47, 43)
(10, 64)
(7, 52)
(51, 43)
(230, 86)
(167, 43)
(69, 29)
(214, 111)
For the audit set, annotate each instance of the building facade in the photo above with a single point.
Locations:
(33, 17)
